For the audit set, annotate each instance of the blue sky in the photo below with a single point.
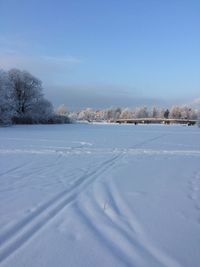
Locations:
(105, 53)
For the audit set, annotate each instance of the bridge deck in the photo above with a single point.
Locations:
(157, 120)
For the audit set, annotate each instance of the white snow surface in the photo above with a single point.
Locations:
(99, 195)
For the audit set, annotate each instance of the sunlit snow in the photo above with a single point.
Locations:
(100, 195)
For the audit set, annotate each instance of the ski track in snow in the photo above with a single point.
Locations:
(18, 167)
(16, 236)
(12, 239)
(194, 194)
(130, 244)
(109, 218)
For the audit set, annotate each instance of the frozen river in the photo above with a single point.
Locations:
(100, 195)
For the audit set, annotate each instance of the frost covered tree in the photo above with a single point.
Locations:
(30, 104)
(41, 112)
(126, 113)
(142, 112)
(87, 114)
(175, 112)
(112, 113)
(27, 91)
(62, 110)
(7, 105)
(22, 100)
(166, 114)
(198, 120)
(117, 113)
(155, 112)
(183, 112)
(189, 113)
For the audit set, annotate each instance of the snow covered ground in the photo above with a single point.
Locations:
(100, 195)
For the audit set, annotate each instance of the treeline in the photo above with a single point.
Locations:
(112, 114)
(22, 100)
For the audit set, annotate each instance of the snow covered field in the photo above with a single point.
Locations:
(100, 195)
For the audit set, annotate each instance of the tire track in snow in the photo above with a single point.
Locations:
(12, 239)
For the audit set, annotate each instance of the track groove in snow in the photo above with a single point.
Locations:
(194, 194)
(12, 239)
(130, 216)
(120, 231)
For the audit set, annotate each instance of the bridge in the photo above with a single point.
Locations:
(156, 120)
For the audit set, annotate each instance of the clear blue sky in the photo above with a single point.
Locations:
(105, 52)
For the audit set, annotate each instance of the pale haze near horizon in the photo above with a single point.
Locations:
(105, 53)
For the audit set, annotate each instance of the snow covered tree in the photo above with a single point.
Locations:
(175, 112)
(126, 114)
(30, 104)
(166, 114)
(155, 112)
(87, 114)
(112, 113)
(198, 120)
(189, 113)
(41, 112)
(27, 91)
(22, 100)
(183, 112)
(62, 110)
(116, 113)
(142, 112)
(7, 107)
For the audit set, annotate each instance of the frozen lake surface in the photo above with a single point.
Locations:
(100, 195)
